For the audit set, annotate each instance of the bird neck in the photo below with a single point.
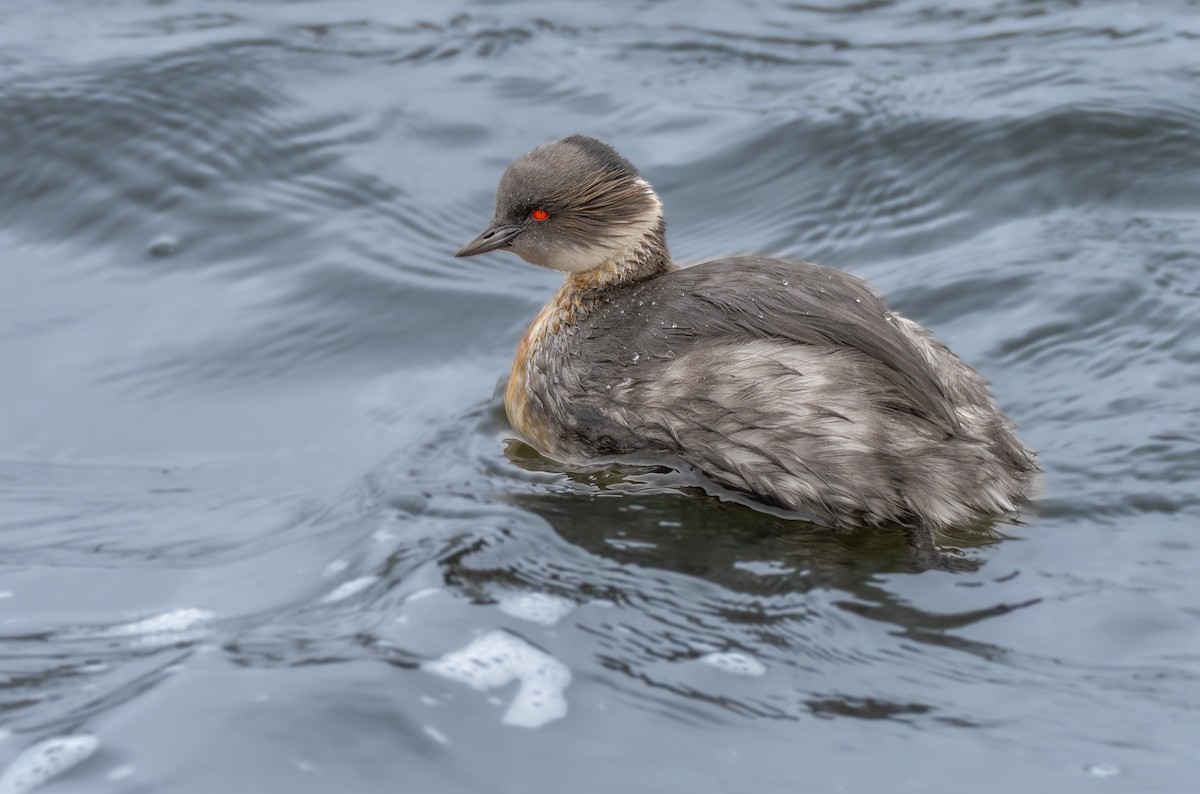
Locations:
(645, 258)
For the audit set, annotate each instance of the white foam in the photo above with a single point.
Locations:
(347, 589)
(497, 658)
(179, 625)
(45, 761)
(1103, 770)
(536, 607)
(174, 621)
(6, 594)
(121, 773)
(735, 663)
(436, 735)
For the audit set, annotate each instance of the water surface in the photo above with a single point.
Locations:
(261, 526)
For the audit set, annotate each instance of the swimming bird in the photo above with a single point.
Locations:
(789, 382)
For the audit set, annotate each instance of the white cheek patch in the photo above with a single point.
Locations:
(576, 259)
(617, 245)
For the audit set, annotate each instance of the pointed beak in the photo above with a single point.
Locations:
(490, 239)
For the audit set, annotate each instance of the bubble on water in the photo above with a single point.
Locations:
(536, 607)
(347, 589)
(45, 761)
(164, 246)
(495, 659)
(735, 663)
(1103, 770)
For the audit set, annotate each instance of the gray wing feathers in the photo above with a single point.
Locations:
(752, 298)
(795, 383)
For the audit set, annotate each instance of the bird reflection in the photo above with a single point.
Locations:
(692, 571)
(640, 514)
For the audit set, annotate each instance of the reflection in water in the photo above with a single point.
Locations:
(721, 520)
(690, 579)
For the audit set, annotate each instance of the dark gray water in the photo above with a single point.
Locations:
(259, 529)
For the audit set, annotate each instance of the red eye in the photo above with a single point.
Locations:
(539, 214)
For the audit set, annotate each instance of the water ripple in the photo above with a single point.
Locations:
(251, 474)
